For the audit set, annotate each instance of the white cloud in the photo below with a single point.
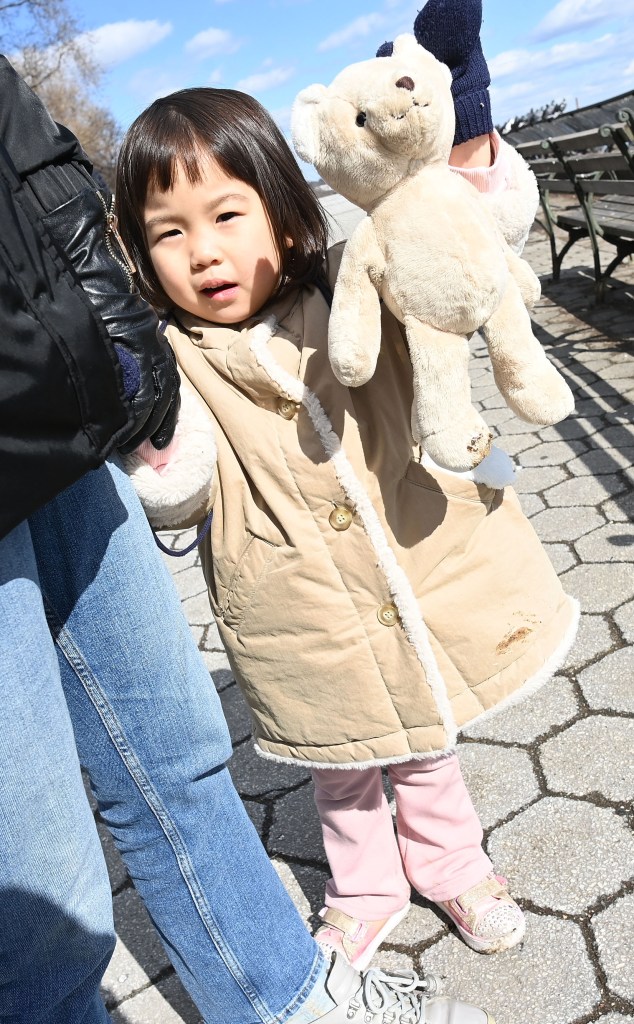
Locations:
(212, 41)
(262, 80)
(150, 83)
(119, 41)
(561, 55)
(215, 77)
(357, 29)
(571, 15)
(282, 118)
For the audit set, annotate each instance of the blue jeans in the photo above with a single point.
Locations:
(98, 668)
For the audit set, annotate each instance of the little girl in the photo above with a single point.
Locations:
(370, 606)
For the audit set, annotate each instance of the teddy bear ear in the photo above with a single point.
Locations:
(405, 44)
(304, 122)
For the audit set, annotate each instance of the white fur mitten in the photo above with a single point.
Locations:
(180, 490)
(496, 470)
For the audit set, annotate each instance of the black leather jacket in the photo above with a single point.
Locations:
(83, 367)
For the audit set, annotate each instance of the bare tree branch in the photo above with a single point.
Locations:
(43, 41)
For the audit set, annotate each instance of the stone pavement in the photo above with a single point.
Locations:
(552, 779)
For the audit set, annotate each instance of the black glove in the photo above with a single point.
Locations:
(77, 214)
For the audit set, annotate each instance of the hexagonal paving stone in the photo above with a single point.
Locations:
(500, 780)
(593, 638)
(611, 543)
(563, 524)
(191, 582)
(164, 1003)
(515, 444)
(584, 490)
(624, 619)
(613, 930)
(532, 480)
(553, 453)
(496, 401)
(516, 426)
(595, 755)
(393, 960)
(614, 1018)
(594, 844)
(138, 956)
(600, 461)
(497, 417)
(547, 980)
(256, 776)
(608, 684)
(623, 368)
(599, 588)
(531, 504)
(621, 508)
(618, 436)
(197, 610)
(561, 556)
(554, 704)
(422, 924)
(237, 714)
(573, 427)
(296, 829)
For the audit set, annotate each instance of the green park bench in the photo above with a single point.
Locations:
(586, 182)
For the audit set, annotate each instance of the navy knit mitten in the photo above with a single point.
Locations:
(450, 29)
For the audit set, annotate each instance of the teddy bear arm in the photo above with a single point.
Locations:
(525, 278)
(529, 383)
(354, 332)
(444, 421)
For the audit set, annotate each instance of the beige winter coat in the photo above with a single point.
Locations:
(369, 607)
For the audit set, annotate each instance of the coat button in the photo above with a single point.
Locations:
(286, 408)
(340, 517)
(387, 615)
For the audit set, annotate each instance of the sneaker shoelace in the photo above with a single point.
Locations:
(399, 994)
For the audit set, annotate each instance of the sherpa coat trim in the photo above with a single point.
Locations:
(482, 615)
(178, 493)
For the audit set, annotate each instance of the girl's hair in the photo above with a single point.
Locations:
(232, 128)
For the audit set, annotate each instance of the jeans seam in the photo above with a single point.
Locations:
(72, 654)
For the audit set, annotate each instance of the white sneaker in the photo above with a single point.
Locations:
(376, 997)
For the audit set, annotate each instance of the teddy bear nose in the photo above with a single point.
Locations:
(405, 83)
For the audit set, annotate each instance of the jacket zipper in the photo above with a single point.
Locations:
(112, 232)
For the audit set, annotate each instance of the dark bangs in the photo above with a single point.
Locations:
(230, 127)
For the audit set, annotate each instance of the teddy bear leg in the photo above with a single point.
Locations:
(526, 279)
(530, 384)
(444, 421)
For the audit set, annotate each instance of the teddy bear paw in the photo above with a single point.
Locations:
(457, 448)
(547, 399)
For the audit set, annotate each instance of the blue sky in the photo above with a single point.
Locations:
(577, 50)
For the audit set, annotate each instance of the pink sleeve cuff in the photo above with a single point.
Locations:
(488, 179)
(158, 460)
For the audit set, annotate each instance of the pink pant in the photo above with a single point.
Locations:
(437, 847)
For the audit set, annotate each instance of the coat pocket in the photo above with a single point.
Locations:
(450, 485)
(250, 570)
(434, 515)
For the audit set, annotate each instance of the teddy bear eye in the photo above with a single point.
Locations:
(361, 119)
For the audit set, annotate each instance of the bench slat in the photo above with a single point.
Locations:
(607, 186)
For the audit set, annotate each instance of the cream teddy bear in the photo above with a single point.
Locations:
(381, 135)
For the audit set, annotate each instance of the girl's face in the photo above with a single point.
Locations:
(211, 246)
